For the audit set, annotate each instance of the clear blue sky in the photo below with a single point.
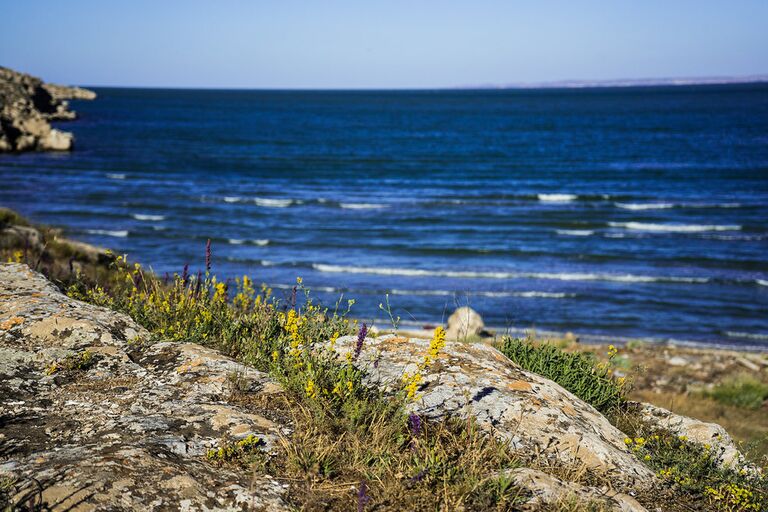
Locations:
(379, 44)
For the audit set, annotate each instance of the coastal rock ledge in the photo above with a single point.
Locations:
(92, 420)
(27, 105)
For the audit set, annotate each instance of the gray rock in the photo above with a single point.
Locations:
(534, 414)
(549, 491)
(464, 323)
(131, 430)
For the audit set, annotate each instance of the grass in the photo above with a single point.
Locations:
(580, 373)
(740, 391)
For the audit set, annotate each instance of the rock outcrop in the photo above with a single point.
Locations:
(27, 105)
(92, 419)
(533, 413)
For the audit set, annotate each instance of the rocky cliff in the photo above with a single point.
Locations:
(27, 106)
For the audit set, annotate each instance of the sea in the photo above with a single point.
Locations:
(613, 213)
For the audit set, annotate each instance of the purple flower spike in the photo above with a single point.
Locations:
(208, 256)
(362, 497)
(414, 422)
(360, 340)
(185, 275)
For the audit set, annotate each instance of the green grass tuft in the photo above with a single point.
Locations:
(577, 372)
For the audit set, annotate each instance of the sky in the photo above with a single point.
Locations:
(352, 44)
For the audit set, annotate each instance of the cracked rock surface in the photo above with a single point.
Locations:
(130, 429)
(532, 412)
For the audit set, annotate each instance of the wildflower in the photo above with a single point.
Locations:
(612, 351)
(414, 422)
(208, 256)
(185, 275)
(627, 441)
(362, 497)
(310, 389)
(435, 346)
(360, 340)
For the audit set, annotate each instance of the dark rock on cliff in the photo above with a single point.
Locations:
(27, 105)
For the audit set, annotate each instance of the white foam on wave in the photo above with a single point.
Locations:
(240, 241)
(261, 201)
(575, 232)
(761, 282)
(557, 198)
(106, 232)
(673, 228)
(747, 335)
(362, 206)
(148, 217)
(645, 206)
(563, 276)
(273, 203)
(665, 206)
(116, 176)
(448, 293)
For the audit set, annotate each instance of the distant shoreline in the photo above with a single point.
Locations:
(560, 84)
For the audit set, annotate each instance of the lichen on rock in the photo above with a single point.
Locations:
(130, 429)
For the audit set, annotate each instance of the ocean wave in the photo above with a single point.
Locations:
(575, 232)
(645, 206)
(106, 232)
(448, 293)
(673, 228)
(145, 216)
(362, 206)
(665, 206)
(116, 176)
(262, 201)
(556, 198)
(747, 335)
(563, 276)
(761, 282)
(240, 241)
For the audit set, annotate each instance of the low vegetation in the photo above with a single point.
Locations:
(578, 372)
(740, 391)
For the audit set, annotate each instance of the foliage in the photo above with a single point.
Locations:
(579, 373)
(741, 391)
(695, 470)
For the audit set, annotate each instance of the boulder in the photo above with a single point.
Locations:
(92, 418)
(464, 323)
(534, 414)
(696, 431)
(547, 491)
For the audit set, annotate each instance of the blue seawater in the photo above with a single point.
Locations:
(616, 212)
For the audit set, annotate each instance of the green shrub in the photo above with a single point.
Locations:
(741, 391)
(577, 372)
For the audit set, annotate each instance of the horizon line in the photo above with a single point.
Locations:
(555, 84)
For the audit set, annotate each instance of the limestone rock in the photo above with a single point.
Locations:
(549, 491)
(131, 428)
(695, 430)
(531, 412)
(464, 323)
(26, 107)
